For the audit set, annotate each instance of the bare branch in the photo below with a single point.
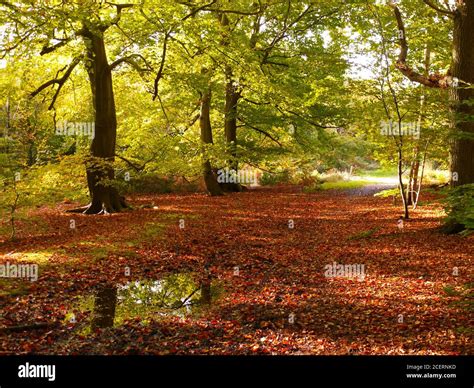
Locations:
(130, 60)
(118, 16)
(197, 10)
(444, 11)
(49, 49)
(306, 119)
(60, 81)
(27, 34)
(260, 131)
(159, 75)
(432, 80)
(282, 34)
(136, 167)
(207, 8)
(131, 164)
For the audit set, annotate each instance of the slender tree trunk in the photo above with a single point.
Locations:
(400, 182)
(413, 181)
(420, 182)
(100, 170)
(231, 102)
(403, 193)
(232, 96)
(206, 138)
(462, 152)
(415, 173)
(413, 189)
(462, 93)
(410, 179)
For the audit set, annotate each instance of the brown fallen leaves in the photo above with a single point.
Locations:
(276, 298)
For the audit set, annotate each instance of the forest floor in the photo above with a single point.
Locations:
(240, 274)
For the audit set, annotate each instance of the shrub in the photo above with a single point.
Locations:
(46, 184)
(459, 206)
(270, 179)
(149, 183)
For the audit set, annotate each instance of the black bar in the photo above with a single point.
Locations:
(242, 371)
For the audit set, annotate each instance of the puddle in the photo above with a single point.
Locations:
(174, 295)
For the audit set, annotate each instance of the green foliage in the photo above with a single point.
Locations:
(459, 205)
(464, 300)
(343, 185)
(387, 172)
(45, 184)
(336, 185)
(177, 294)
(436, 176)
(395, 192)
(304, 105)
(155, 183)
(271, 179)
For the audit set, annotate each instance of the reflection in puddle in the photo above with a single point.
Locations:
(177, 294)
(105, 303)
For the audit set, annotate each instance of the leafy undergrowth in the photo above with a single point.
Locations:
(341, 185)
(273, 297)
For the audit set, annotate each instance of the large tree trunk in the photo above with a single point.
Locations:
(100, 170)
(462, 149)
(462, 152)
(462, 69)
(206, 138)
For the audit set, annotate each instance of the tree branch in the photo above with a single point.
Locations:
(118, 16)
(260, 131)
(207, 8)
(49, 49)
(307, 120)
(281, 35)
(159, 75)
(432, 80)
(255, 102)
(129, 59)
(9, 5)
(60, 81)
(131, 164)
(197, 10)
(439, 9)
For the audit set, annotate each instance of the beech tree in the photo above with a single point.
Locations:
(458, 80)
(54, 26)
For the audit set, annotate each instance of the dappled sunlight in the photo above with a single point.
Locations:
(268, 268)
